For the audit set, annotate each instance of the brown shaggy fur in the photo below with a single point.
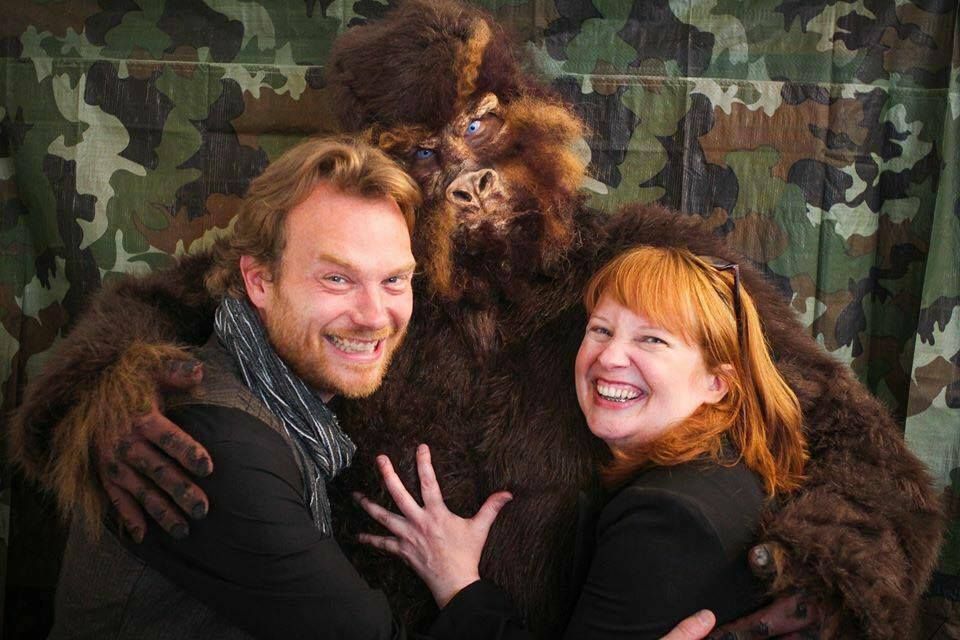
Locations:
(100, 379)
(486, 374)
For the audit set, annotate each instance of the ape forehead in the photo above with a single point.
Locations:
(423, 64)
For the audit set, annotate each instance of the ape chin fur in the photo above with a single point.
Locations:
(485, 376)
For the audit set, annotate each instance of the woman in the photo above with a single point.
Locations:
(674, 375)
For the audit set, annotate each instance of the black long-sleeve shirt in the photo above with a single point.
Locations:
(671, 542)
(259, 560)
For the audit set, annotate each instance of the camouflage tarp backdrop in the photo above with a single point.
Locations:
(820, 136)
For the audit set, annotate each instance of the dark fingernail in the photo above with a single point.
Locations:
(198, 511)
(179, 531)
(760, 556)
(357, 497)
(137, 534)
(202, 466)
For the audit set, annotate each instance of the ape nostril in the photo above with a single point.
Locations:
(485, 181)
(462, 196)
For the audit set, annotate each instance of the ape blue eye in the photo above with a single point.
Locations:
(473, 127)
(423, 154)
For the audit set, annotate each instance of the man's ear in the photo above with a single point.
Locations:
(257, 280)
(718, 385)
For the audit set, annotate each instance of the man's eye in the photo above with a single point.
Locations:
(473, 127)
(336, 279)
(423, 153)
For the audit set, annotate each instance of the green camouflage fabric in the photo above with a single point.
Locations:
(821, 137)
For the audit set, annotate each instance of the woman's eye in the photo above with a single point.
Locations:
(652, 340)
(600, 331)
(473, 127)
(423, 153)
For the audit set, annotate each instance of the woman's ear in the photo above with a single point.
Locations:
(718, 387)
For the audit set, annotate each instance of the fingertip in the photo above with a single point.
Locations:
(179, 531)
(705, 618)
(202, 465)
(199, 511)
(136, 532)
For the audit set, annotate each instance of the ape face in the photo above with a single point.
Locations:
(439, 86)
(499, 182)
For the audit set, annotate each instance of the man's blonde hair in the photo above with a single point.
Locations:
(348, 164)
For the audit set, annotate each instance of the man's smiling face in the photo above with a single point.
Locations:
(338, 305)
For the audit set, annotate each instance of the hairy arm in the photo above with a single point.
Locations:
(862, 536)
(90, 423)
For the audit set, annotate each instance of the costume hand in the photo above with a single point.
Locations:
(145, 465)
(443, 548)
(789, 618)
(695, 627)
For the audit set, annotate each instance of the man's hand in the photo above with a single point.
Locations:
(441, 547)
(695, 627)
(145, 469)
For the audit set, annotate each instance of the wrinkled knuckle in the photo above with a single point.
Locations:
(183, 491)
(161, 515)
(122, 447)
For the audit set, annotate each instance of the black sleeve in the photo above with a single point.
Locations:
(482, 611)
(257, 557)
(655, 555)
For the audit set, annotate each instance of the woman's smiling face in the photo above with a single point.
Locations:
(635, 380)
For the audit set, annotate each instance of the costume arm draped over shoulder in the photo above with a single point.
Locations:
(863, 533)
(102, 375)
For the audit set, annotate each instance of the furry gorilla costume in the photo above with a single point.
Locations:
(485, 376)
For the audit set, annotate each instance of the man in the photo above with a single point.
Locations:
(314, 291)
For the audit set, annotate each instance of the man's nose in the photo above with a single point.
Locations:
(369, 310)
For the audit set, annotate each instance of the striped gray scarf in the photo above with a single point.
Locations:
(324, 450)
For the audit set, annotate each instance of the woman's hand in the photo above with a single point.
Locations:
(443, 548)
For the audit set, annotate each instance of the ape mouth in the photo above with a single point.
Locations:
(497, 212)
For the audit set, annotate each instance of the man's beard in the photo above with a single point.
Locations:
(304, 352)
